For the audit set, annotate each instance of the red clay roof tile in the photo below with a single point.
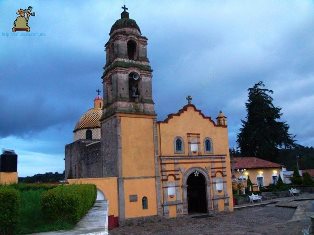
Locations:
(253, 162)
(310, 171)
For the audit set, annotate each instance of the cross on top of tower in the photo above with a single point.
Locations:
(98, 92)
(124, 14)
(124, 8)
(189, 99)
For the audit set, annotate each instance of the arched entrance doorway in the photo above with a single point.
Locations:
(196, 193)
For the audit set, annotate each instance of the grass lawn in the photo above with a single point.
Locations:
(31, 219)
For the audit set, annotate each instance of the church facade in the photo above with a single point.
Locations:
(146, 167)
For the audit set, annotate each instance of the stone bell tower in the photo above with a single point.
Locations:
(129, 121)
(127, 77)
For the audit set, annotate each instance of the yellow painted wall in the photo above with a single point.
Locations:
(8, 177)
(141, 188)
(109, 188)
(191, 121)
(214, 192)
(137, 146)
(267, 174)
(172, 211)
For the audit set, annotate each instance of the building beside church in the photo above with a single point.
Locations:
(261, 172)
(8, 167)
(146, 167)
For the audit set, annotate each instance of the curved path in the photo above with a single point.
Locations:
(94, 222)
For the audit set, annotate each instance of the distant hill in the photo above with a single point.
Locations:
(48, 177)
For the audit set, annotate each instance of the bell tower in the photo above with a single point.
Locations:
(127, 78)
(128, 123)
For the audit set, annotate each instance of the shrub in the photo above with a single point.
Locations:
(31, 218)
(279, 181)
(296, 178)
(280, 185)
(9, 209)
(249, 184)
(68, 202)
(307, 179)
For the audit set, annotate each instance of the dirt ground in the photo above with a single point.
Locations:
(255, 220)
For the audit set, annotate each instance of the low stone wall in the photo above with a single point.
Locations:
(265, 196)
(272, 195)
(241, 200)
(305, 189)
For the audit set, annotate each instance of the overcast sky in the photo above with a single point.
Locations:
(211, 50)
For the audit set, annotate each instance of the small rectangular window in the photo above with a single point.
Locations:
(275, 179)
(260, 181)
(144, 203)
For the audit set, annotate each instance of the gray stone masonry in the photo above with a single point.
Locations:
(83, 159)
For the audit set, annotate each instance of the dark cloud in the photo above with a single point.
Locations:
(29, 115)
(213, 51)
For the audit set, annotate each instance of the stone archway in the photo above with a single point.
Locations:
(196, 193)
(199, 186)
(103, 207)
(100, 196)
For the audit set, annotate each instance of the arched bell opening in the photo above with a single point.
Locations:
(131, 45)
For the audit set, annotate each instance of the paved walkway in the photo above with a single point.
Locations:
(288, 215)
(94, 222)
(281, 216)
(303, 205)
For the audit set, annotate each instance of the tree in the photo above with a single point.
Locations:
(234, 152)
(288, 157)
(249, 184)
(262, 134)
(307, 179)
(279, 182)
(296, 178)
(48, 177)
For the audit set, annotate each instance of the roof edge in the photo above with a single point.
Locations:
(184, 109)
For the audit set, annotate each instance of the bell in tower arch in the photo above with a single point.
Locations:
(127, 77)
(134, 80)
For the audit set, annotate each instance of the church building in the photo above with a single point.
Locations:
(142, 166)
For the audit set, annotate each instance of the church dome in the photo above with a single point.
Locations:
(124, 22)
(90, 119)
